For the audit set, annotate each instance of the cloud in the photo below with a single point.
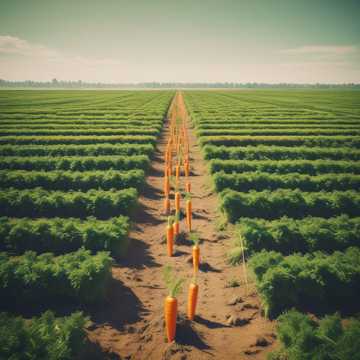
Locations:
(21, 59)
(16, 46)
(321, 50)
(24, 60)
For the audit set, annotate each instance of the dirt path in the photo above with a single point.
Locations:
(130, 325)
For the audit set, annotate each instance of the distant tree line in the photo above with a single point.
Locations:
(61, 84)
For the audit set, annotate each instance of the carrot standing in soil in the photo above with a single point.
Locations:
(177, 201)
(166, 186)
(176, 225)
(167, 205)
(170, 306)
(186, 168)
(170, 237)
(177, 171)
(188, 187)
(192, 299)
(195, 252)
(188, 213)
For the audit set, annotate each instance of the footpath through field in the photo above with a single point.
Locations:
(228, 324)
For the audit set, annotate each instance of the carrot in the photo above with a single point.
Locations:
(196, 258)
(192, 299)
(170, 237)
(174, 286)
(177, 201)
(167, 205)
(177, 171)
(188, 213)
(176, 225)
(187, 168)
(170, 311)
(166, 186)
(195, 251)
(188, 187)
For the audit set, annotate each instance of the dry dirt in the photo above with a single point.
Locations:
(130, 324)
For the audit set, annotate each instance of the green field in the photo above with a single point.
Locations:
(286, 166)
(72, 165)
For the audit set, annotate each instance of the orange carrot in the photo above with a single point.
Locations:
(188, 187)
(174, 286)
(167, 205)
(176, 227)
(177, 201)
(196, 258)
(177, 171)
(188, 213)
(170, 237)
(170, 310)
(166, 186)
(192, 300)
(187, 168)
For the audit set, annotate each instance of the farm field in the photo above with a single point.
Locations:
(88, 179)
(73, 164)
(285, 166)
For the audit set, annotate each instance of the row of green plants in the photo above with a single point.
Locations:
(241, 124)
(263, 152)
(78, 132)
(292, 203)
(42, 203)
(287, 235)
(72, 180)
(79, 125)
(85, 139)
(259, 181)
(315, 282)
(330, 141)
(78, 277)
(310, 167)
(125, 149)
(277, 132)
(303, 338)
(43, 337)
(75, 163)
(60, 236)
(249, 120)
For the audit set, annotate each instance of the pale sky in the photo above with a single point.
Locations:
(302, 41)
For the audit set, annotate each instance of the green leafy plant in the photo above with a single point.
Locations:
(173, 284)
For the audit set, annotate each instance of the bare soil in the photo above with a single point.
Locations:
(229, 322)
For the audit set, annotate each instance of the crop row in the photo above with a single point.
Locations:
(48, 140)
(309, 234)
(45, 337)
(241, 124)
(76, 150)
(226, 121)
(277, 132)
(262, 152)
(316, 282)
(31, 278)
(72, 180)
(76, 163)
(79, 132)
(61, 236)
(259, 181)
(281, 140)
(314, 167)
(303, 337)
(293, 203)
(41, 203)
(131, 125)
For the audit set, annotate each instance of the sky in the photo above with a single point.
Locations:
(122, 41)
